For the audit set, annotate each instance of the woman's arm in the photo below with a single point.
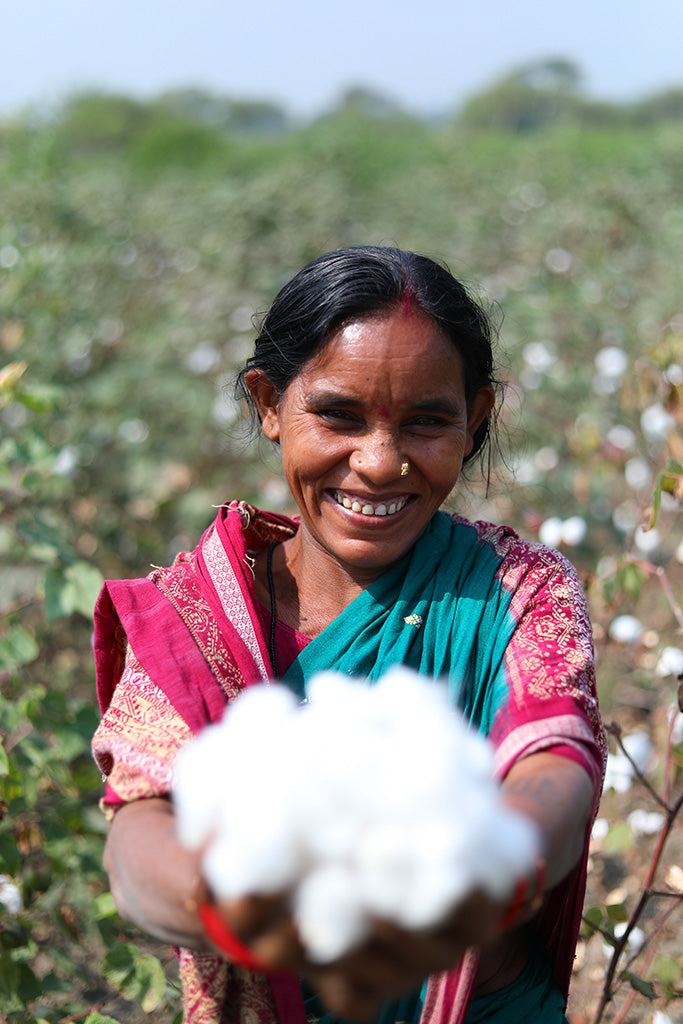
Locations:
(152, 877)
(557, 794)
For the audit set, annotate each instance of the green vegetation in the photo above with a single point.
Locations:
(136, 242)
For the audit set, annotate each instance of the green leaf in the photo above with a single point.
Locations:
(138, 977)
(119, 964)
(99, 1018)
(17, 648)
(4, 760)
(40, 398)
(630, 578)
(85, 582)
(616, 913)
(646, 988)
(104, 906)
(619, 837)
(29, 987)
(152, 980)
(594, 917)
(656, 502)
(9, 976)
(53, 587)
(667, 969)
(71, 589)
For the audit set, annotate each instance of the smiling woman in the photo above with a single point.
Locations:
(373, 371)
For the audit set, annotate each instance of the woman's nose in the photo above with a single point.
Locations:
(377, 457)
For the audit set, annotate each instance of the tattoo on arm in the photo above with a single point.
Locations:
(541, 790)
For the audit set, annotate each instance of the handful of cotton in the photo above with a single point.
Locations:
(365, 801)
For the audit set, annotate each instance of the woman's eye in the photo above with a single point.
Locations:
(337, 414)
(428, 421)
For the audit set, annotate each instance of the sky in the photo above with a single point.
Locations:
(428, 55)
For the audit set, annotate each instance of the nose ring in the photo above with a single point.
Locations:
(404, 469)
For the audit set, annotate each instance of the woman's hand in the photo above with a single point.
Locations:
(554, 792)
(152, 877)
(391, 962)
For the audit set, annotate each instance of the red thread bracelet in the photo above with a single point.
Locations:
(523, 905)
(222, 938)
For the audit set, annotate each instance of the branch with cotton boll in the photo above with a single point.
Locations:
(364, 801)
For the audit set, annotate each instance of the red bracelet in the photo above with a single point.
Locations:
(523, 904)
(222, 938)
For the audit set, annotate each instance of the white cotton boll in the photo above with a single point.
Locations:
(626, 629)
(656, 422)
(329, 914)
(364, 800)
(618, 773)
(600, 829)
(611, 361)
(437, 890)
(384, 865)
(10, 897)
(645, 823)
(234, 867)
(635, 939)
(258, 709)
(621, 437)
(550, 532)
(647, 540)
(670, 662)
(573, 530)
(333, 838)
(640, 749)
(441, 875)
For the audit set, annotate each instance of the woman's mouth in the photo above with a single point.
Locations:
(370, 508)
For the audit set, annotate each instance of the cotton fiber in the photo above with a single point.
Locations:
(364, 801)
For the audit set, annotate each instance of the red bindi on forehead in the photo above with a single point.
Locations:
(408, 300)
(383, 411)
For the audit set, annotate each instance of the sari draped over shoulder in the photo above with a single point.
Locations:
(502, 620)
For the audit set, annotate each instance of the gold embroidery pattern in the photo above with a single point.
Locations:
(180, 585)
(139, 736)
(216, 992)
(551, 652)
(230, 595)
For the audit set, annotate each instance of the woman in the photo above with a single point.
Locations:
(373, 372)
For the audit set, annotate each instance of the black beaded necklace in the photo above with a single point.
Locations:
(271, 588)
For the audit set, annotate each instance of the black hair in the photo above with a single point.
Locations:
(361, 281)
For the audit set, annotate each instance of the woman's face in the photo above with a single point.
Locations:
(373, 432)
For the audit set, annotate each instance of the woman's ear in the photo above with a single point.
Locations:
(267, 400)
(484, 400)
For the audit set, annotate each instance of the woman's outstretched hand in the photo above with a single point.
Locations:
(389, 963)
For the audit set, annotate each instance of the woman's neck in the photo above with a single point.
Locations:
(310, 587)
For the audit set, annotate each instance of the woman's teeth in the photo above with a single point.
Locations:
(367, 508)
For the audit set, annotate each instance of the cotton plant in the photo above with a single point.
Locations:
(363, 801)
(621, 773)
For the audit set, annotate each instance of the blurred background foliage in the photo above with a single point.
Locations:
(137, 242)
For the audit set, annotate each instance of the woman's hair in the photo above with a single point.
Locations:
(358, 282)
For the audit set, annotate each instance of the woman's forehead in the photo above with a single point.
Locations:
(378, 357)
